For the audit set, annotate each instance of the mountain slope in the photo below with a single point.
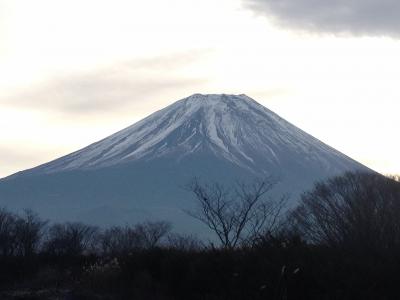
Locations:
(235, 128)
(138, 173)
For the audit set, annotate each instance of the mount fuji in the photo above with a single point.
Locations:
(138, 173)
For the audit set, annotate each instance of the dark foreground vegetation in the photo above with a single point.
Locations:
(341, 242)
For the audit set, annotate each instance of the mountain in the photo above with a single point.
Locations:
(139, 172)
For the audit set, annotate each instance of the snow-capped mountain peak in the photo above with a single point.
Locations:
(232, 127)
(137, 173)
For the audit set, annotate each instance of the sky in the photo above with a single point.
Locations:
(73, 72)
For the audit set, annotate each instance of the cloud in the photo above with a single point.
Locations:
(356, 17)
(110, 88)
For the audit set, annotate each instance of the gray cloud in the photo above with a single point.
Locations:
(356, 17)
(110, 88)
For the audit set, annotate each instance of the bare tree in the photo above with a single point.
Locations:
(71, 239)
(356, 211)
(29, 229)
(120, 240)
(236, 215)
(7, 232)
(151, 233)
(183, 242)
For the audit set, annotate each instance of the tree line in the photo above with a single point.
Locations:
(352, 211)
(341, 242)
(27, 234)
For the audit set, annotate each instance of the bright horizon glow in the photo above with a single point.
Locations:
(73, 72)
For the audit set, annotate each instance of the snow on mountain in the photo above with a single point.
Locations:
(233, 127)
(137, 173)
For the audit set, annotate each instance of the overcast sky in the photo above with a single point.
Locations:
(73, 72)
